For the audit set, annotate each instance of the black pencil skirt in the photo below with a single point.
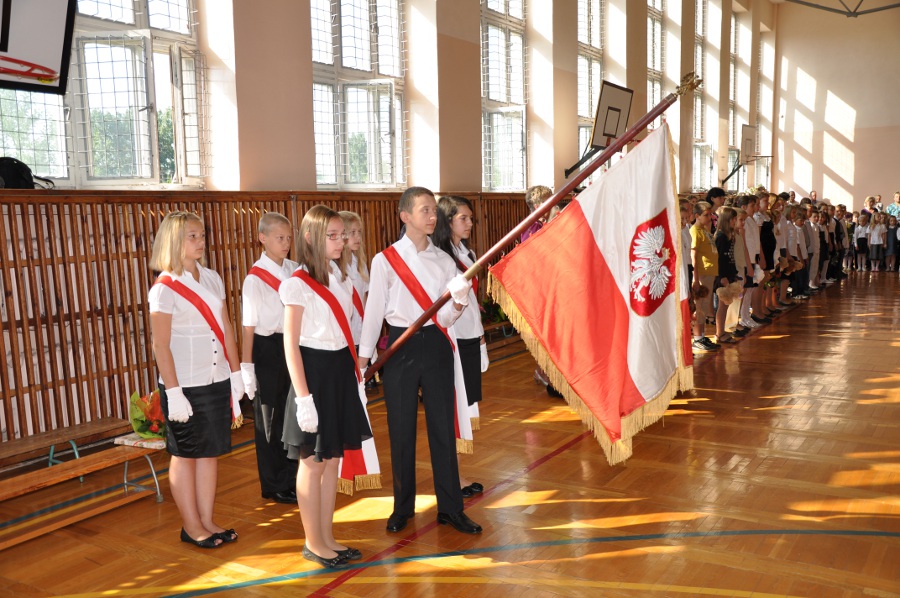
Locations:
(208, 432)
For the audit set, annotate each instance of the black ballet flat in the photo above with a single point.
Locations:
(332, 563)
(472, 489)
(349, 554)
(214, 541)
(228, 536)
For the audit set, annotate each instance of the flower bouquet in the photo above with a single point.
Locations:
(147, 416)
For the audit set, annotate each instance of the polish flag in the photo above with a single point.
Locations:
(598, 297)
(359, 469)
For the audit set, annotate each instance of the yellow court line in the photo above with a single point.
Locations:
(474, 581)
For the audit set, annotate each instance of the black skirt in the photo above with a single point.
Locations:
(470, 359)
(342, 418)
(208, 432)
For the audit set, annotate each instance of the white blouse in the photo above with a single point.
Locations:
(318, 327)
(198, 355)
(469, 323)
(362, 287)
(261, 306)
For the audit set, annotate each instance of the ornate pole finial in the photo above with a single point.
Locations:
(689, 82)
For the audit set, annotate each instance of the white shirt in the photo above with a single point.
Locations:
(199, 356)
(780, 234)
(390, 300)
(319, 328)
(876, 234)
(814, 236)
(469, 323)
(751, 237)
(362, 287)
(861, 232)
(686, 242)
(261, 305)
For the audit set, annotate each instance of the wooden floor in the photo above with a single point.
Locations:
(778, 476)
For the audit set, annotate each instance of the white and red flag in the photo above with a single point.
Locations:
(598, 297)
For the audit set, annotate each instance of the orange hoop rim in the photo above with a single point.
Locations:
(30, 71)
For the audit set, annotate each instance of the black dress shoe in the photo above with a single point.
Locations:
(331, 563)
(397, 521)
(460, 521)
(349, 554)
(288, 497)
(472, 489)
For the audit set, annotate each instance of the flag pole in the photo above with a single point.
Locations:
(689, 82)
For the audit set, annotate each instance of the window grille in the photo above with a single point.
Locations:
(33, 130)
(358, 98)
(111, 10)
(503, 95)
(116, 125)
(171, 15)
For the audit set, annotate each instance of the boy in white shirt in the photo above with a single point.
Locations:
(263, 364)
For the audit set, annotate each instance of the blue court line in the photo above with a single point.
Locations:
(89, 496)
(510, 547)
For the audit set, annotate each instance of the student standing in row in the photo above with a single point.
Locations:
(199, 373)
(405, 280)
(263, 364)
(451, 234)
(325, 416)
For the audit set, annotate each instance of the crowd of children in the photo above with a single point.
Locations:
(750, 257)
(309, 330)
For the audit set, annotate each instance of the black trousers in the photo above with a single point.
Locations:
(277, 473)
(426, 361)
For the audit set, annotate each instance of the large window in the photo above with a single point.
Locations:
(703, 163)
(656, 54)
(503, 94)
(590, 66)
(133, 114)
(358, 92)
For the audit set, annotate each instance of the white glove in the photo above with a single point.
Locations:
(179, 407)
(459, 289)
(307, 416)
(248, 375)
(758, 274)
(362, 386)
(485, 362)
(237, 391)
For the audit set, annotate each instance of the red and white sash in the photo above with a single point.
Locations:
(462, 417)
(358, 468)
(202, 306)
(265, 276)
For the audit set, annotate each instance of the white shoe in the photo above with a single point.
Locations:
(750, 324)
(814, 287)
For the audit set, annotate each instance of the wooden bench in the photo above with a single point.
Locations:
(17, 531)
(17, 450)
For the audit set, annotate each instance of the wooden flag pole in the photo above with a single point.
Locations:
(689, 82)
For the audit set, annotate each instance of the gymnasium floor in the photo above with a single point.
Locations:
(777, 476)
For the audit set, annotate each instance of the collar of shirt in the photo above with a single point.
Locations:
(281, 272)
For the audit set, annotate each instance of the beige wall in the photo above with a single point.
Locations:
(836, 109)
(261, 123)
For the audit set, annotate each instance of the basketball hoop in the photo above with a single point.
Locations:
(27, 70)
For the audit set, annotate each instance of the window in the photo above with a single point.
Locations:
(733, 122)
(503, 94)
(118, 124)
(358, 92)
(590, 67)
(656, 55)
(701, 175)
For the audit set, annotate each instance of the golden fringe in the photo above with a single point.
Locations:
(476, 423)
(466, 447)
(616, 452)
(345, 486)
(370, 481)
(237, 422)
